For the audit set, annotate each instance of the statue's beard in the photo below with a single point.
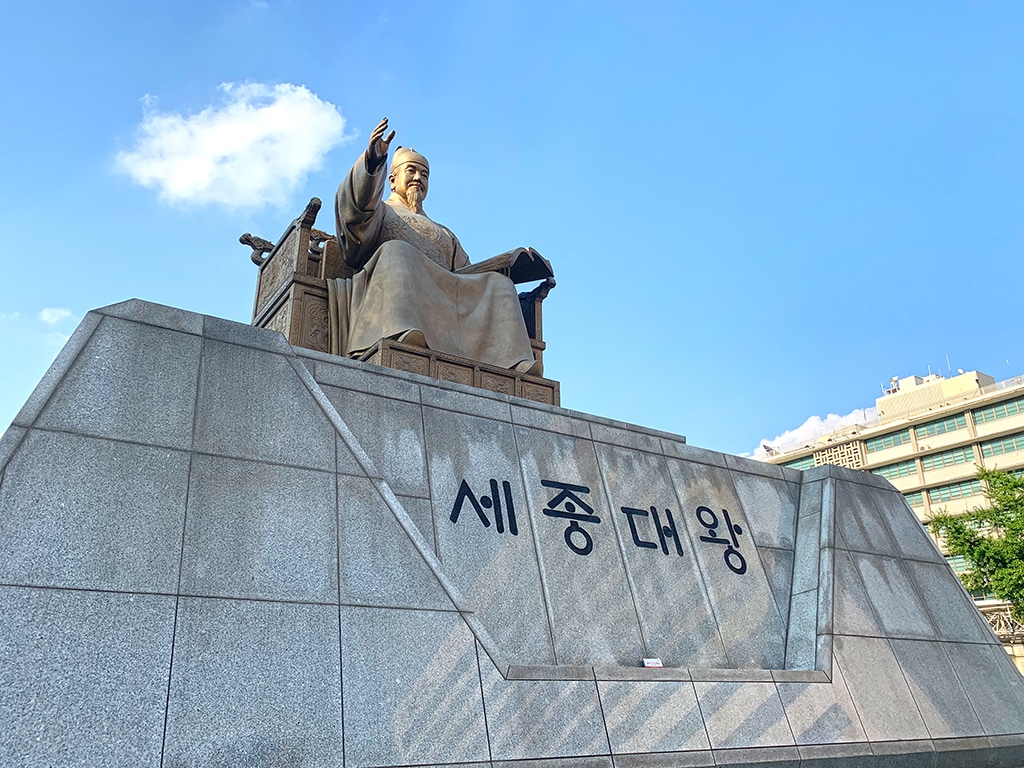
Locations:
(414, 198)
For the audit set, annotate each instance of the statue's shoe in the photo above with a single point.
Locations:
(413, 337)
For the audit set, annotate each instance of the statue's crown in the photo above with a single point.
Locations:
(405, 155)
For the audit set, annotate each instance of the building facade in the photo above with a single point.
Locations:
(930, 436)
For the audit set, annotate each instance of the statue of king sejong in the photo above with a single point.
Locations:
(405, 286)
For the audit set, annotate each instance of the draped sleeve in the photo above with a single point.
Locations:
(359, 211)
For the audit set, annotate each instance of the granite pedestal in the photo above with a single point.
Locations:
(219, 550)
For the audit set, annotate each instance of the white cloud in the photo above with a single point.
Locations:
(253, 148)
(53, 315)
(56, 339)
(10, 316)
(814, 427)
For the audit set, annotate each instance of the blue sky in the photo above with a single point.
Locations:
(756, 212)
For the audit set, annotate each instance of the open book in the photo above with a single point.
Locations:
(521, 265)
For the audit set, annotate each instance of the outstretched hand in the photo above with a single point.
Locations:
(377, 152)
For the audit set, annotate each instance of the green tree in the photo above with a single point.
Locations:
(991, 540)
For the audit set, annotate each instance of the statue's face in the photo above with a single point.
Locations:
(410, 176)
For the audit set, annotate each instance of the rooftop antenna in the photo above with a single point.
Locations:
(949, 370)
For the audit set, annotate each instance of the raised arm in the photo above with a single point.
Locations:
(358, 209)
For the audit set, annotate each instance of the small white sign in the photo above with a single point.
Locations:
(653, 664)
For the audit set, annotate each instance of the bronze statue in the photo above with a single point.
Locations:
(413, 281)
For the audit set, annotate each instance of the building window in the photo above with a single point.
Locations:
(948, 458)
(915, 499)
(1000, 411)
(958, 563)
(903, 469)
(941, 427)
(807, 462)
(888, 441)
(1006, 445)
(954, 491)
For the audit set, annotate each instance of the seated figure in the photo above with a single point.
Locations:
(405, 284)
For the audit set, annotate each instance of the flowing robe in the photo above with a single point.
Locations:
(406, 281)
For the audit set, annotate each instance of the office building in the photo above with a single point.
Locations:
(930, 436)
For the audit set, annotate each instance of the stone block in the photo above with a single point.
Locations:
(55, 374)
(799, 676)
(260, 531)
(1006, 751)
(951, 610)
(823, 657)
(83, 677)
(846, 755)
(817, 474)
(547, 672)
(354, 375)
(171, 318)
(551, 420)
(995, 698)
(743, 715)
(703, 758)
(805, 563)
(574, 762)
(753, 467)
(859, 521)
(652, 717)
(778, 566)
(893, 597)
(940, 697)
(676, 621)
(113, 391)
(681, 450)
(245, 335)
(905, 753)
(731, 675)
(963, 753)
(803, 620)
(421, 512)
(480, 403)
(391, 432)
(345, 449)
(821, 713)
(828, 514)
(239, 416)
(89, 513)
(379, 564)
(826, 591)
(912, 540)
(769, 757)
(405, 671)
(769, 509)
(590, 581)
(527, 720)
(810, 499)
(854, 614)
(626, 438)
(254, 684)
(886, 706)
(743, 604)
(496, 570)
(641, 674)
